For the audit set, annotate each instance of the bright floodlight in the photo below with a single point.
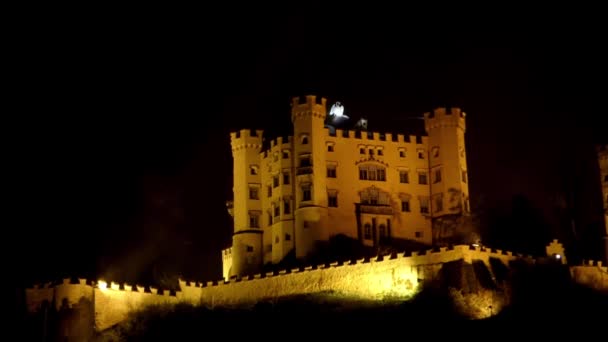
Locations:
(337, 109)
(558, 256)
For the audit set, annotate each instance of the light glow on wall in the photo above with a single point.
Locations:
(102, 285)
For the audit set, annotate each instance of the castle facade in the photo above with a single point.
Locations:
(318, 183)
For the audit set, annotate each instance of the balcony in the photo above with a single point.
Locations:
(304, 170)
(376, 209)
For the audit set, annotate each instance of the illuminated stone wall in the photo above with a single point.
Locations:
(592, 274)
(400, 276)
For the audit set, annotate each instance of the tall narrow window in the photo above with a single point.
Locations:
(424, 205)
(285, 178)
(275, 181)
(331, 171)
(269, 191)
(277, 210)
(380, 152)
(269, 218)
(438, 202)
(367, 231)
(437, 176)
(253, 193)
(332, 199)
(286, 207)
(404, 176)
(361, 150)
(254, 219)
(306, 193)
(405, 205)
(422, 177)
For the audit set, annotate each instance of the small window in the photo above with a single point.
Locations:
(331, 172)
(435, 152)
(253, 170)
(254, 221)
(285, 178)
(286, 207)
(422, 178)
(371, 152)
(287, 237)
(276, 239)
(437, 176)
(330, 148)
(269, 191)
(275, 181)
(277, 211)
(306, 194)
(424, 205)
(304, 140)
(380, 152)
(420, 154)
(361, 151)
(404, 177)
(401, 153)
(285, 154)
(418, 235)
(269, 218)
(249, 248)
(367, 232)
(306, 224)
(405, 206)
(332, 200)
(253, 193)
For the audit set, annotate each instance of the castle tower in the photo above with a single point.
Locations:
(246, 249)
(310, 188)
(447, 163)
(602, 155)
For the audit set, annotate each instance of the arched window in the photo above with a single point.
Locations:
(304, 139)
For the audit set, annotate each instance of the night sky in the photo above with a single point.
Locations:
(125, 161)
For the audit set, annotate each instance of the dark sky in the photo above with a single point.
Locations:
(126, 161)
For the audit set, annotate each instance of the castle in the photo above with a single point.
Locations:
(376, 188)
(295, 196)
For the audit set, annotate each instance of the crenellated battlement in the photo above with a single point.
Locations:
(309, 107)
(444, 117)
(246, 138)
(376, 136)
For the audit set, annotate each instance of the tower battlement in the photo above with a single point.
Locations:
(246, 138)
(444, 117)
(310, 107)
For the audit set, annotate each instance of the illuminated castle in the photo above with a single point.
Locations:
(321, 182)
